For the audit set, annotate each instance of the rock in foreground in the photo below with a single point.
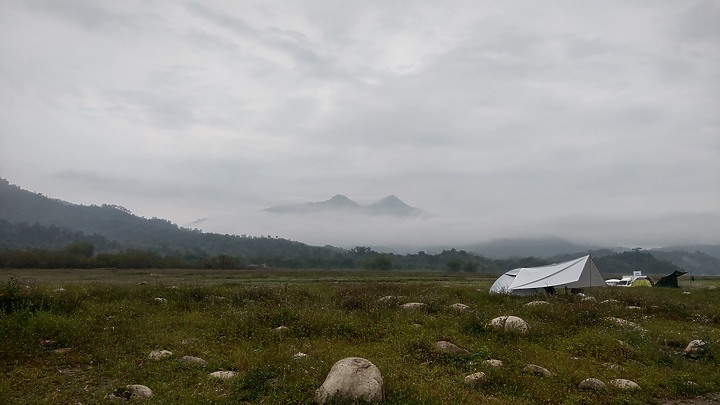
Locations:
(510, 324)
(351, 380)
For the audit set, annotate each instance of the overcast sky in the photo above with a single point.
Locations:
(594, 121)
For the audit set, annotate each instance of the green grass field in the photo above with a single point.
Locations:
(73, 336)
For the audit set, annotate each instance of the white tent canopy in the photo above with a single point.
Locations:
(577, 273)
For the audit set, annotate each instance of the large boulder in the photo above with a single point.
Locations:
(510, 324)
(351, 380)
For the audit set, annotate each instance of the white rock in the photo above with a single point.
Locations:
(299, 355)
(695, 347)
(475, 378)
(588, 299)
(686, 292)
(387, 298)
(510, 324)
(223, 375)
(610, 301)
(353, 380)
(592, 384)
(414, 305)
(633, 307)
(443, 346)
(536, 303)
(712, 287)
(160, 354)
(192, 360)
(624, 384)
(460, 307)
(537, 370)
(281, 328)
(160, 300)
(493, 363)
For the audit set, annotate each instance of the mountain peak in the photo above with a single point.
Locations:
(390, 206)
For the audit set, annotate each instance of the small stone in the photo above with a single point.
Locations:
(475, 378)
(537, 370)
(193, 361)
(281, 328)
(223, 375)
(59, 289)
(142, 283)
(633, 307)
(536, 303)
(160, 354)
(712, 287)
(510, 324)
(387, 298)
(414, 305)
(686, 292)
(460, 307)
(610, 301)
(588, 299)
(624, 384)
(695, 348)
(493, 363)
(592, 384)
(443, 346)
(299, 356)
(161, 300)
(132, 392)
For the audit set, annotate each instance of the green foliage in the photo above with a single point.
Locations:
(86, 340)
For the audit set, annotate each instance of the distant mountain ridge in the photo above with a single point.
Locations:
(388, 206)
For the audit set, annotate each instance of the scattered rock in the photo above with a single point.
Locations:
(142, 283)
(536, 303)
(281, 328)
(686, 292)
(510, 324)
(695, 348)
(443, 346)
(493, 363)
(161, 300)
(633, 307)
(299, 356)
(132, 392)
(611, 301)
(417, 325)
(625, 323)
(193, 361)
(61, 350)
(414, 305)
(537, 370)
(460, 307)
(475, 378)
(160, 354)
(624, 384)
(353, 380)
(712, 287)
(588, 299)
(387, 298)
(611, 366)
(59, 289)
(223, 375)
(592, 384)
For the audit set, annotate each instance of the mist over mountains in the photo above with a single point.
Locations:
(388, 206)
(33, 220)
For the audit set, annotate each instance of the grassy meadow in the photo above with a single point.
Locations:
(74, 336)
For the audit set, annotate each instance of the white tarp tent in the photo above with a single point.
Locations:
(577, 273)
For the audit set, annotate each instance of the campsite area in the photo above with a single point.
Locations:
(75, 336)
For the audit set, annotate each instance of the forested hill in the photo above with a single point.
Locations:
(110, 223)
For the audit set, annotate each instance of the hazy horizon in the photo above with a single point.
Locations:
(595, 122)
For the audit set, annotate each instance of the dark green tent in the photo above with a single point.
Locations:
(670, 280)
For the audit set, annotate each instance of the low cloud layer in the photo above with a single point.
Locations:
(596, 121)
